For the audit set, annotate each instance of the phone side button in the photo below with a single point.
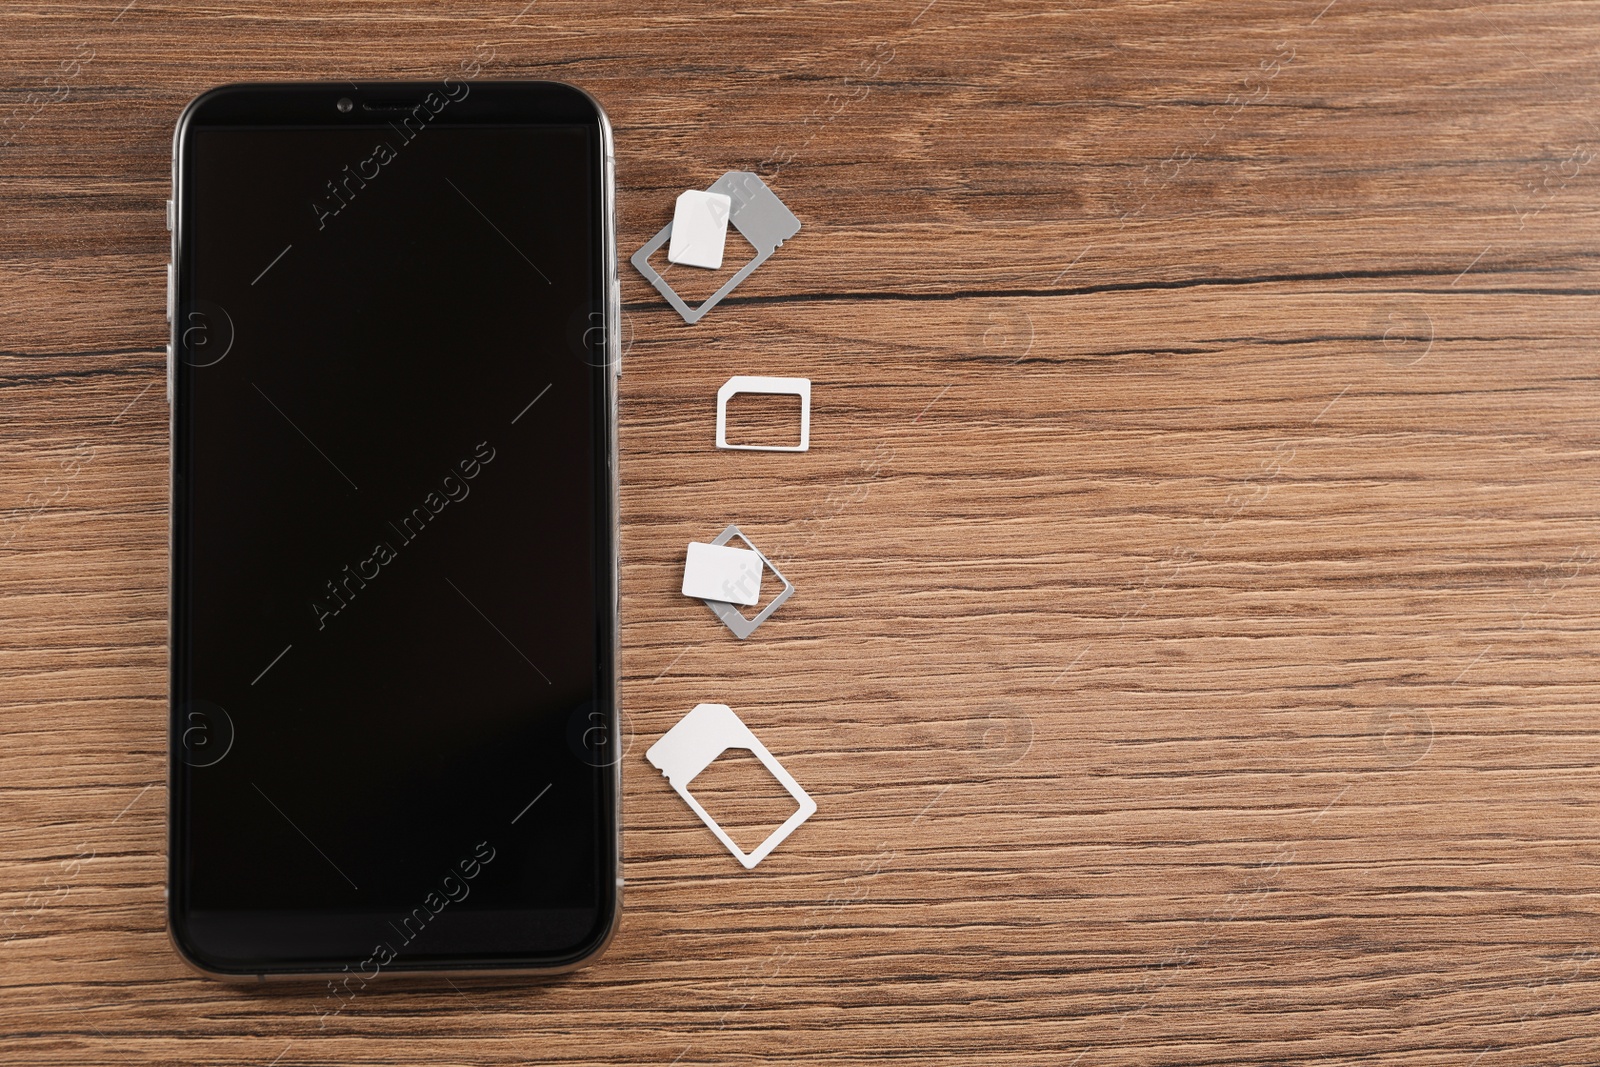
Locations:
(169, 216)
(169, 292)
(170, 362)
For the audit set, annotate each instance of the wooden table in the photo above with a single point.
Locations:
(1194, 648)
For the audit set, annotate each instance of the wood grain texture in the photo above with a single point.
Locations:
(1194, 656)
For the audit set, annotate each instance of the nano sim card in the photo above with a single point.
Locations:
(722, 572)
(700, 229)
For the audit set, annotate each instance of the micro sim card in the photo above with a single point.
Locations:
(722, 572)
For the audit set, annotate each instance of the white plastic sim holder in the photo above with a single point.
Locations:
(699, 738)
(753, 383)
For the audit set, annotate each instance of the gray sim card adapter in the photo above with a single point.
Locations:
(694, 744)
(734, 619)
(757, 213)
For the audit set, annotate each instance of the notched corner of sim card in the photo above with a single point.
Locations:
(695, 742)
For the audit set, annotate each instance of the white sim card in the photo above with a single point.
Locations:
(721, 572)
(700, 229)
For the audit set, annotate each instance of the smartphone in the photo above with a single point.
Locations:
(394, 616)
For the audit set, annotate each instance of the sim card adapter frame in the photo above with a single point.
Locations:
(730, 615)
(754, 383)
(757, 213)
(696, 742)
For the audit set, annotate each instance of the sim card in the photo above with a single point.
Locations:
(699, 229)
(722, 572)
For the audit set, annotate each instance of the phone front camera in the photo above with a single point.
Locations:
(345, 105)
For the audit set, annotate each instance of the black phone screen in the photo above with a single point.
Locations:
(394, 536)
